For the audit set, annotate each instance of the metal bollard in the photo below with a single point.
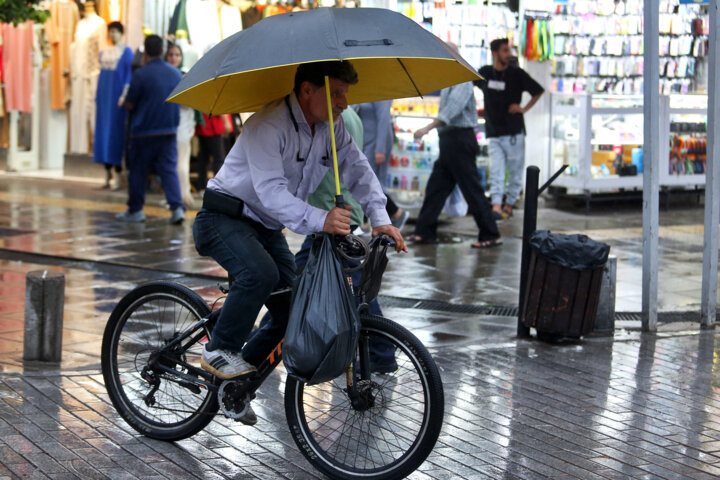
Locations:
(605, 317)
(44, 300)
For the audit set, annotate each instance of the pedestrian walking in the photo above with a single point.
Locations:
(503, 85)
(211, 137)
(456, 121)
(185, 132)
(377, 145)
(153, 128)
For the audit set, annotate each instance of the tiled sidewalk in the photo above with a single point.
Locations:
(634, 406)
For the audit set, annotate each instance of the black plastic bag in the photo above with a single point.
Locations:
(374, 268)
(324, 325)
(577, 252)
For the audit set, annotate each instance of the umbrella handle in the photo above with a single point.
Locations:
(332, 140)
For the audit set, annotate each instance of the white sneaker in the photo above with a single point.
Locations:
(224, 364)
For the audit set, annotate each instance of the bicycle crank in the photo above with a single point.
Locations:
(233, 399)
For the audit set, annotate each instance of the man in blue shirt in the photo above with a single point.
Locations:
(153, 125)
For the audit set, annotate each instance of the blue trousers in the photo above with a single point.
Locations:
(260, 261)
(157, 154)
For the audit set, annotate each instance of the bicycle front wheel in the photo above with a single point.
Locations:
(162, 403)
(386, 435)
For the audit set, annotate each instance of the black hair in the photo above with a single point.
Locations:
(173, 45)
(153, 46)
(497, 43)
(116, 26)
(315, 73)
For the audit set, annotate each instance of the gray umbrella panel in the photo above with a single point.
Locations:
(394, 57)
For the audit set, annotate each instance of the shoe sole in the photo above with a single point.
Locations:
(224, 376)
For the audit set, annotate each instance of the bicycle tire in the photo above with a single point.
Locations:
(322, 420)
(139, 325)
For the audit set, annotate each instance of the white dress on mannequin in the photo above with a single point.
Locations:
(90, 38)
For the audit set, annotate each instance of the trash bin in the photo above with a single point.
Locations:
(563, 285)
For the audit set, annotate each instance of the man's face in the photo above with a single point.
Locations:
(503, 54)
(317, 100)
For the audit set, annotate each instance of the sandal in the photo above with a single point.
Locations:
(496, 242)
(498, 216)
(418, 240)
(507, 211)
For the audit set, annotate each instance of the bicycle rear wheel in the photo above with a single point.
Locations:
(392, 434)
(155, 401)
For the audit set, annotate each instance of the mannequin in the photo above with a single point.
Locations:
(90, 38)
(115, 73)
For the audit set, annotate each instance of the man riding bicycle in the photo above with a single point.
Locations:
(279, 159)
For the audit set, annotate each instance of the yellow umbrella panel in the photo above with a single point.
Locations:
(379, 79)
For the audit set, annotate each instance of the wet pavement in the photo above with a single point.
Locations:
(632, 406)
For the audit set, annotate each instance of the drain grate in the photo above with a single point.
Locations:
(11, 232)
(441, 306)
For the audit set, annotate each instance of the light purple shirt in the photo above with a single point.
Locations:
(263, 170)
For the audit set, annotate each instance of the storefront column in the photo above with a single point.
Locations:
(712, 179)
(651, 177)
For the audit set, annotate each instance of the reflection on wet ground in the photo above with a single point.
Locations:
(636, 406)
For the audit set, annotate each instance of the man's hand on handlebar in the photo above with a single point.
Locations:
(393, 233)
(338, 221)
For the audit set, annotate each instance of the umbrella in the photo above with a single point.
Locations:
(393, 56)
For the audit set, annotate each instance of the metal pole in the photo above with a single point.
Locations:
(651, 180)
(529, 224)
(712, 180)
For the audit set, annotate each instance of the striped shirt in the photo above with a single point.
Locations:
(457, 106)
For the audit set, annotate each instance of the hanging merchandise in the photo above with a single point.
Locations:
(60, 31)
(17, 66)
(90, 39)
(598, 47)
(157, 15)
(203, 24)
(230, 20)
(111, 10)
(536, 38)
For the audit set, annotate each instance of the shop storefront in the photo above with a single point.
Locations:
(50, 72)
(587, 55)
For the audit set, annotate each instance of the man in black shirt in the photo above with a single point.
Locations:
(502, 87)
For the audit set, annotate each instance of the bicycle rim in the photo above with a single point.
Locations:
(388, 440)
(144, 326)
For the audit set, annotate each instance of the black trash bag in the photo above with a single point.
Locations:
(577, 252)
(324, 325)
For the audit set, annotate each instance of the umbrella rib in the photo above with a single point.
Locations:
(409, 77)
(219, 94)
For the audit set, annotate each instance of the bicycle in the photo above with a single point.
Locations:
(361, 425)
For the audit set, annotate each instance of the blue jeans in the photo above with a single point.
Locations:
(158, 154)
(508, 152)
(260, 261)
